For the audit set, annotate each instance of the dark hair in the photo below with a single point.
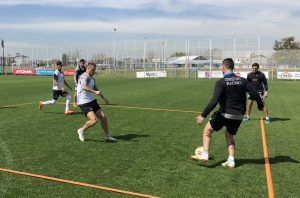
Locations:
(59, 63)
(255, 65)
(92, 64)
(228, 63)
(82, 61)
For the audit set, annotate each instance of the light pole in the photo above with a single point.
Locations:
(144, 57)
(114, 46)
(2, 45)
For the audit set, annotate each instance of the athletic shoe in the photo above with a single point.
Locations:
(267, 121)
(69, 112)
(41, 105)
(246, 118)
(75, 105)
(200, 157)
(80, 134)
(229, 164)
(110, 138)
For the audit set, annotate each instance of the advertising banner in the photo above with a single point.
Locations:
(42, 72)
(69, 72)
(219, 74)
(151, 74)
(24, 72)
(288, 75)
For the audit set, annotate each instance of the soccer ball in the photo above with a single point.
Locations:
(199, 150)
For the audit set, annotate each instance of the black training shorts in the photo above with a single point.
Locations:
(91, 106)
(57, 93)
(218, 121)
(261, 96)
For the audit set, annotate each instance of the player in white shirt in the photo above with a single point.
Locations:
(59, 83)
(86, 89)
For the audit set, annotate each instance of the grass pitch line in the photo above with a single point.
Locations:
(16, 105)
(153, 109)
(144, 108)
(115, 106)
(267, 162)
(77, 183)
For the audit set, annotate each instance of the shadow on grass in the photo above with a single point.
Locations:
(279, 119)
(273, 160)
(126, 137)
(8, 107)
(274, 119)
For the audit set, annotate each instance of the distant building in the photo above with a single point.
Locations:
(190, 61)
(20, 60)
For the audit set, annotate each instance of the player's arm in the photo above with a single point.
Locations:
(219, 87)
(255, 95)
(249, 77)
(101, 94)
(265, 83)
(76, 74)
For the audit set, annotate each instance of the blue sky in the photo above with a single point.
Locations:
(90, 22)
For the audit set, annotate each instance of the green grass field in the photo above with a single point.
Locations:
(152, 155)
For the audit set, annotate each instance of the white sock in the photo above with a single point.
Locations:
(230, 158)
(267, 118)
(205, 154)
(68, 102)
(49, 102)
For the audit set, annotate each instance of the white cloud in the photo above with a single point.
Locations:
(166, 5)
(247, 26)
(248, 18)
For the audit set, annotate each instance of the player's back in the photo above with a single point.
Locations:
(233, 99)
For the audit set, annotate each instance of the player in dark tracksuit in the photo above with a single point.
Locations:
(259, 82)
(230, 93)
(78, 72)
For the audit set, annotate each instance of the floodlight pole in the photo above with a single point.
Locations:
(2, 45)
(114, 46)
(144, 57)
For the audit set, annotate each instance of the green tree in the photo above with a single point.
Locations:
(287, 51)
(177, 54)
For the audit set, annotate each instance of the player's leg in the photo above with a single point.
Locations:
(92, 120)
(230, 145)
(266, 113)
(232, 127)
(75, 99)
(104, 124)
(248, 110)
(202, 152)
(49, 102)
(208, 130)
(68, 102)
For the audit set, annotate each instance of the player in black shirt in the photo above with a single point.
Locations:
(78, 72)
(230, 93)
(259, 82)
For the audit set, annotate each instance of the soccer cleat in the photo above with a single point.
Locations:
(41, 105)
(110, 138)
(80, 134)
(75, 105)
(246, 118)
(69, 112)
(267, 121)
(229, 164)
(199, 150)
(199, 156)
